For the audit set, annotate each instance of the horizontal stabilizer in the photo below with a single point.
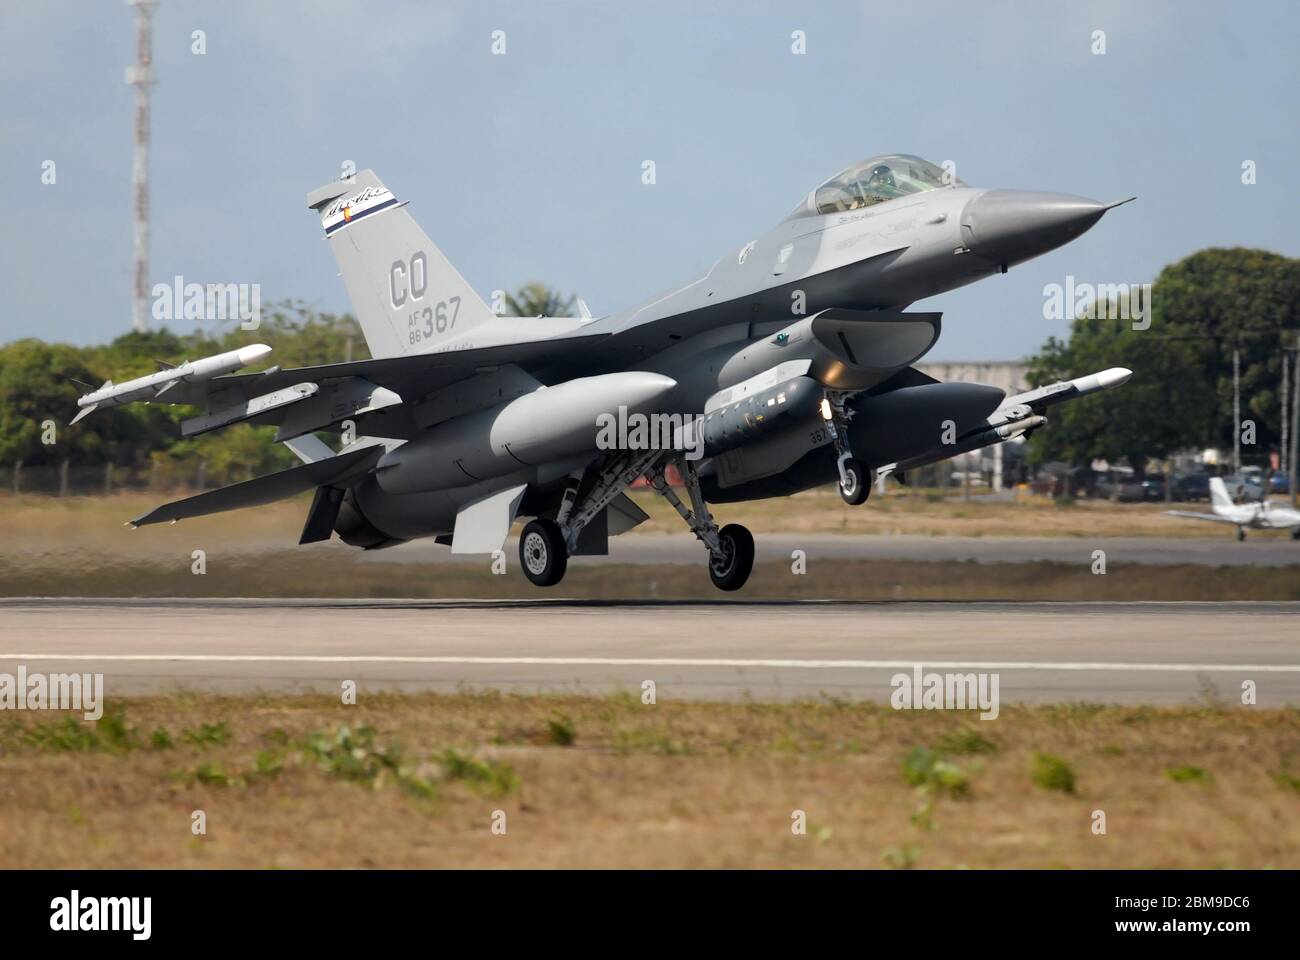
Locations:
(275, 486)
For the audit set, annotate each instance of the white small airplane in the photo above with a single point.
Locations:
(1262, 515)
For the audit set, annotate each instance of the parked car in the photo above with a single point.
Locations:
(1192, 486)
(1122, 487)
(1153, 487)
(1279, 482)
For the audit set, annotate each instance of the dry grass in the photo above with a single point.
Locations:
(341, 573)
(672, 784)
(78, 547)
(96, 523)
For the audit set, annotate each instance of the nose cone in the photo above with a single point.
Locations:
(1011, 226)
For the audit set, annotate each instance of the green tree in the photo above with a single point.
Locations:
(1152, 415)
(1180, 396)
(1221, 298)
(36, 386)
(538, 300)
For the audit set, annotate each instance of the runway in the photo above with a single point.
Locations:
(1157, 653)
(661, 548)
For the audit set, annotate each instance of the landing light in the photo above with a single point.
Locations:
(826, 409)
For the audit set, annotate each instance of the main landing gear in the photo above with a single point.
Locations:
(542, 552)
(855, 478)
(731, 549)
(545, 544)
(1241, 534)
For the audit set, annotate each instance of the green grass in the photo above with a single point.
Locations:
(492, 777)
(560, 732)
(1186, 773)
(1053, 773)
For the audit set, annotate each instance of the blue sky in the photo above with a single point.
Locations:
(528, 165)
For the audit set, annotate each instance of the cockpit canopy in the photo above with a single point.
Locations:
(876, 180)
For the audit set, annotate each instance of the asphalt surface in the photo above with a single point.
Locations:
(1158, 653)
(652, 548)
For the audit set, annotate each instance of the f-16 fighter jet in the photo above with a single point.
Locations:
(787, 365)
(1260, 515)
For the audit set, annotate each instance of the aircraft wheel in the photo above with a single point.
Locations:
(1241, 534)
(542, 553)
(858, 488)
(1295, 533)
(732, 569)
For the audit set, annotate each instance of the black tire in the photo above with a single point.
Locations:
(542, 553)
(859, 486)
(1241, 534)
(1295, 533)
(730, 571)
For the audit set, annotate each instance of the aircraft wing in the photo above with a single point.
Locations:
(411, 376)
(1189, 515)
(380, 396)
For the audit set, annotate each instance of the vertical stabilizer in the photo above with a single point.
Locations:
(406, 294)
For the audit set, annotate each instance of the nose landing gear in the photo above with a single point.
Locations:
(855, 478)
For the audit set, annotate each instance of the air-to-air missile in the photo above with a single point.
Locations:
(154, 385)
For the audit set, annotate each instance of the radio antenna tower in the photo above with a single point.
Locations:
(140, 75)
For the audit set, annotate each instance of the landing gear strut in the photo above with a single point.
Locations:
(731, 549)
(855, 478)
(1241, 534)
(545, 545)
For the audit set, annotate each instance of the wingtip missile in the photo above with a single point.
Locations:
(1105, 380)
(155, 385)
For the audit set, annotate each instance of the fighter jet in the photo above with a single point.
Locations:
(1261, 515)
(787, 365)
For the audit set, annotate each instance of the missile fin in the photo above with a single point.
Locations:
(164, 388)
(83, 412)
(164, 365)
